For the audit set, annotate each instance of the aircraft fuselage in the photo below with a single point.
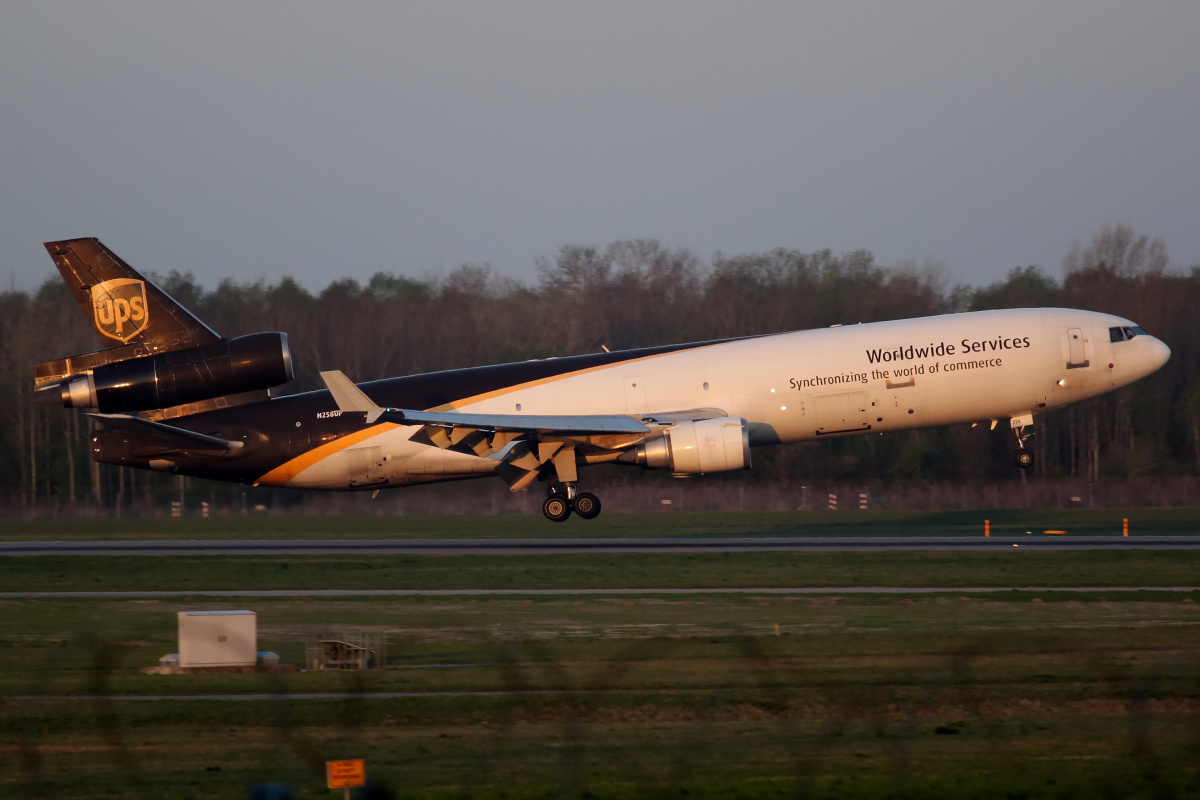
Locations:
(840, 381)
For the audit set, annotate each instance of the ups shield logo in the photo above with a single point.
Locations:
(120, 308)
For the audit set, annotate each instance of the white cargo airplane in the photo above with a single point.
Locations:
(177, 397)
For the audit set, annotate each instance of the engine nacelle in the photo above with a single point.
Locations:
(244, 364)
(696, 448)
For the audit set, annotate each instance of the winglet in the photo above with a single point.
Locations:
(350, 398)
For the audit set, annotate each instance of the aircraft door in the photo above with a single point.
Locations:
(841, 413)
(365, 465)
(635, 395)
(1076, 347)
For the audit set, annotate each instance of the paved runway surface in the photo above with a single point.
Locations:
(801, 590)
(299, 547)
(308, 696)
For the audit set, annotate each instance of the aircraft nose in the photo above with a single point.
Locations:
(1159, 354)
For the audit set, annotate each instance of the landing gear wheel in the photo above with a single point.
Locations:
(1024, 459)
(557, 508)
(587, 505)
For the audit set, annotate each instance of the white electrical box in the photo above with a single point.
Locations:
(218, 638)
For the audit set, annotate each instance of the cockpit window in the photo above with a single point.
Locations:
(1124, 334)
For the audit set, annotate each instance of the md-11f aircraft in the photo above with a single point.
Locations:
(172, 395)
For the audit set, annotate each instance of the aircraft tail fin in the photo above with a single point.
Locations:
(122, 305)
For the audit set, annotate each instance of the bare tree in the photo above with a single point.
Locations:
(1120, 250)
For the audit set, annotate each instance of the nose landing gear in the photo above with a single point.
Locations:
(564, 499)
(1023, 458)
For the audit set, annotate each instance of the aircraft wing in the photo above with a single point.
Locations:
(352, 399)
(514, 423)
(673, 417)
(170, 438)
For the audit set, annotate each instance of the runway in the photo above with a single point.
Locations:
(301, 696)
(799, 590)
(449, 547)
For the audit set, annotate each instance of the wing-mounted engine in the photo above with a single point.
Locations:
(697, 447)
(107, 382)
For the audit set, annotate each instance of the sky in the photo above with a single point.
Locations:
(321, 140)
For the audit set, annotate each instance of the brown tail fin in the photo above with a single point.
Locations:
(123, 306)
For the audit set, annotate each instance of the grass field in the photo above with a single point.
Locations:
(1005, 522)
(997, 695)
(855, 696)
(1007, 568)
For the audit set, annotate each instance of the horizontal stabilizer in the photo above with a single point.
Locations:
(53, 372)
(169, 437)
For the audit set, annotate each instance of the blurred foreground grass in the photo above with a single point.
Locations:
(989, 696)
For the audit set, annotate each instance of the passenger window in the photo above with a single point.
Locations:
(1115, 335)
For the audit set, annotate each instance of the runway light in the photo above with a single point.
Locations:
(1016, 545)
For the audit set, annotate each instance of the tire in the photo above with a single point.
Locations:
(1024, 459)
(587, 505)
(557, 508)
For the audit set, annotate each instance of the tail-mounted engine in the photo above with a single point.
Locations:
(697, 448)
(230, 366)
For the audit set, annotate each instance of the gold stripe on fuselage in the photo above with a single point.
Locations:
(283, 474)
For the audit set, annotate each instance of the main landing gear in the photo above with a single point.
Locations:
(1023, 457)
(564, 499)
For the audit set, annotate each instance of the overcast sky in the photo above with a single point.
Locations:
(322, 140)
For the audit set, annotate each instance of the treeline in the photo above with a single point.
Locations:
(636, 294)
